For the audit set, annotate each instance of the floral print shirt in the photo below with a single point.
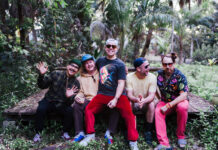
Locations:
(171, 88)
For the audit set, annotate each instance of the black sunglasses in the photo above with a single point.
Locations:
(109, 46)
(146, 67)
(167, 64)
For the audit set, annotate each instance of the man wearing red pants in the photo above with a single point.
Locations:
(110, 93)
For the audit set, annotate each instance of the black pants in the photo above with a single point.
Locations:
(45, 107)
(78, 116)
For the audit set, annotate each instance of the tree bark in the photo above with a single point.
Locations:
(147, 43)
(21, 21)
(180, 50)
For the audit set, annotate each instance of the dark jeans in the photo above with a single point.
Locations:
(45, 107)
(78, 116)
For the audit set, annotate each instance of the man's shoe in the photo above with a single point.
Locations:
(87, 139)
(133, 145)
(65, 136)
(37, 138)
(109, 139)
(78, 137)
(148, 138)
(163, 147)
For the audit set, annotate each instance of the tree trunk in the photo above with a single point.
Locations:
(180, 50)
(172, 36)
(21, 21)
(147, 43)
(192, 47)
(122, 40)
(136, 46)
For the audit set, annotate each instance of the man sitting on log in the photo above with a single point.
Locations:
(110, 93)
(63, 86)
(141, 88)
(89, 78)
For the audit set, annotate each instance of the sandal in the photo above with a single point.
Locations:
(163, 147)
(182, 143)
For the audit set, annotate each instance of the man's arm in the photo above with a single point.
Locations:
(119, 91)
(180, 98)
(131, 97)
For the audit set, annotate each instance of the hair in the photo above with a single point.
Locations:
(172, 55)
(112, 40)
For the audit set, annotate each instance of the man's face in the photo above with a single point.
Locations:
(144, 68)
(89, 65)
(111, 49)
(72, 69)
(168, 65)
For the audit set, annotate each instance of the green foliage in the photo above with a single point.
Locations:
(205, 52)
(205, 128)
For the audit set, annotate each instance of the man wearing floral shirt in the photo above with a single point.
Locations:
(173, 88)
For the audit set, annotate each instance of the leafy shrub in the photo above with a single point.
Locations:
(205, 52)
(205, 128)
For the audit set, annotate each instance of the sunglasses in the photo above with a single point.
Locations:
(147, 66)
(167, 64)
(109, 46)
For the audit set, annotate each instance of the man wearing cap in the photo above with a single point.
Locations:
(141, 88)
(111, 94)
(62, 88)
(89, 78)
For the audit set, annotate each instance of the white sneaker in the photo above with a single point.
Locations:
(87, 139)
(133, 145)
(65, 136)
(37, 138)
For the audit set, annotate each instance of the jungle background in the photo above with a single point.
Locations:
(55, 31)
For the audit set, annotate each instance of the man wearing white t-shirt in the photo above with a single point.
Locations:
(141, 89)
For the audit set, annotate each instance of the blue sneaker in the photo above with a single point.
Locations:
(78, 138)
(109, 139)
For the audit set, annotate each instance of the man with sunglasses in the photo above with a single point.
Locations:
(63, 87)
(173, 89)
(111, 94)
(89, 79)
(141, 88)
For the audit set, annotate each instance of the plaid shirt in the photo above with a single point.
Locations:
(57, 82)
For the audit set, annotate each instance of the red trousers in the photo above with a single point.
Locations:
(160, 123)
(123, 105)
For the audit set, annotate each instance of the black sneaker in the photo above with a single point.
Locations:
(148, 138)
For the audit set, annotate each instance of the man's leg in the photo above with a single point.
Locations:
(125, 109)
(78, 116)
(182, 116)
(43, 108)
(160, 125)
(113, 120)
(149, 109)
(67, 112)
(94, 107)
(91, 109)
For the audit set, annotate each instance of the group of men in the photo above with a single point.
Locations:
(102, 85)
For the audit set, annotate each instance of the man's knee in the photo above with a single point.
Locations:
(151, 106)
(182, 107)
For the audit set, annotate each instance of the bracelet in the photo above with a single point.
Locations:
(168, 105)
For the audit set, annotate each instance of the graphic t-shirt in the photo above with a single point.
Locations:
(170, 89)
(110, 71)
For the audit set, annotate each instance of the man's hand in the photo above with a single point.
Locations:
(42, 68)
(79, 100)
(142, 102)
(164, 109)
(70, 92)
(112, 103)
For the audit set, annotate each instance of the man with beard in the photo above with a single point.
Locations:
(89, 79)
(63, 86)
(111, 94)
(141, 88)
